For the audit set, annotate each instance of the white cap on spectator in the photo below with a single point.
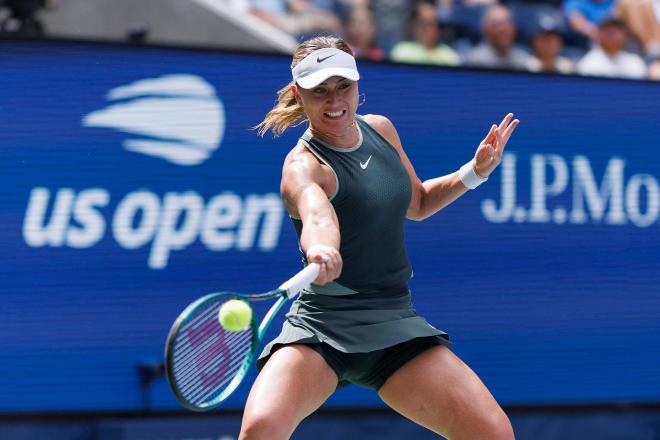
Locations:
(322, 64)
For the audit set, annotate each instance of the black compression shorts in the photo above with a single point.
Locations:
(372, 369)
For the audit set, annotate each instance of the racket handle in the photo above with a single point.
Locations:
(301, 280)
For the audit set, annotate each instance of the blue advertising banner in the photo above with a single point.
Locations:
(132, 183)
(542, 425)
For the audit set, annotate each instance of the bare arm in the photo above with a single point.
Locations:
(427, 197)
(581, 25)
(432, 195)
(302, 190)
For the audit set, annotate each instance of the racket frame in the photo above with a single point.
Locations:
(288, 290)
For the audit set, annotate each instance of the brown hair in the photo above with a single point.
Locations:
(287, 112)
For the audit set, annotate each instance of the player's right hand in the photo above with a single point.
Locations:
(329, 259)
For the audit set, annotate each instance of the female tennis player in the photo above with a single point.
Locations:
(348, 186)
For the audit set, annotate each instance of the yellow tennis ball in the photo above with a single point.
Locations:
(235, 315)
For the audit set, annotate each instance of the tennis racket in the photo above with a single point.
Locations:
(204, 362)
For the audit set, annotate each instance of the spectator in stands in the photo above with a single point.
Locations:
(654, 69)
(360, 33)
(340, 8)
(296, 17)
(462, 18)
(608, 57)
(240, 6)
(390, 17)
(21, 20)
(422, 47)
(583, 16)
(497, 50)
(642, 17)
(547, 43)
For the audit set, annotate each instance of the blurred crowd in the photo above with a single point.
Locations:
(609, 38)
(17, 17)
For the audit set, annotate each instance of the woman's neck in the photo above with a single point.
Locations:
(349, 138)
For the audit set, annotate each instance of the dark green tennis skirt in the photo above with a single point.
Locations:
(352, 323)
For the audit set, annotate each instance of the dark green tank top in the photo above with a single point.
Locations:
(372, 197)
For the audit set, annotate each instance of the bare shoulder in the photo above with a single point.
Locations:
(300, 172)
(384, 127)
(379, 122)
(300, 159)
(300, 168)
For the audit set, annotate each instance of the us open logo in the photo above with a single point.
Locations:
(178, 118)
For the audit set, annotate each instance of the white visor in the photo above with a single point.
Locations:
(322, 64)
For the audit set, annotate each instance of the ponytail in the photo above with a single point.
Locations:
(287, 111)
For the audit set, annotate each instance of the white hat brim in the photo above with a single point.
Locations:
(316, 78)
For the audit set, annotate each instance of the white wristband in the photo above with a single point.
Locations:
(469, 176)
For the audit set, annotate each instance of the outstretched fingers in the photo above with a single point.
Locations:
(504, 132)
(490, 151)
(505, 121)
(490, 137)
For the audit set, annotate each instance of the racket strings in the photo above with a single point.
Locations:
(188, 373)
(206, 395)
(202, 331)
(209, 372)
(206, 357)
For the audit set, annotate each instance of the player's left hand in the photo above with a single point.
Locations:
(490, 150)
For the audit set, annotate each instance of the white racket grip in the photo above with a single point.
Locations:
(301, 280)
